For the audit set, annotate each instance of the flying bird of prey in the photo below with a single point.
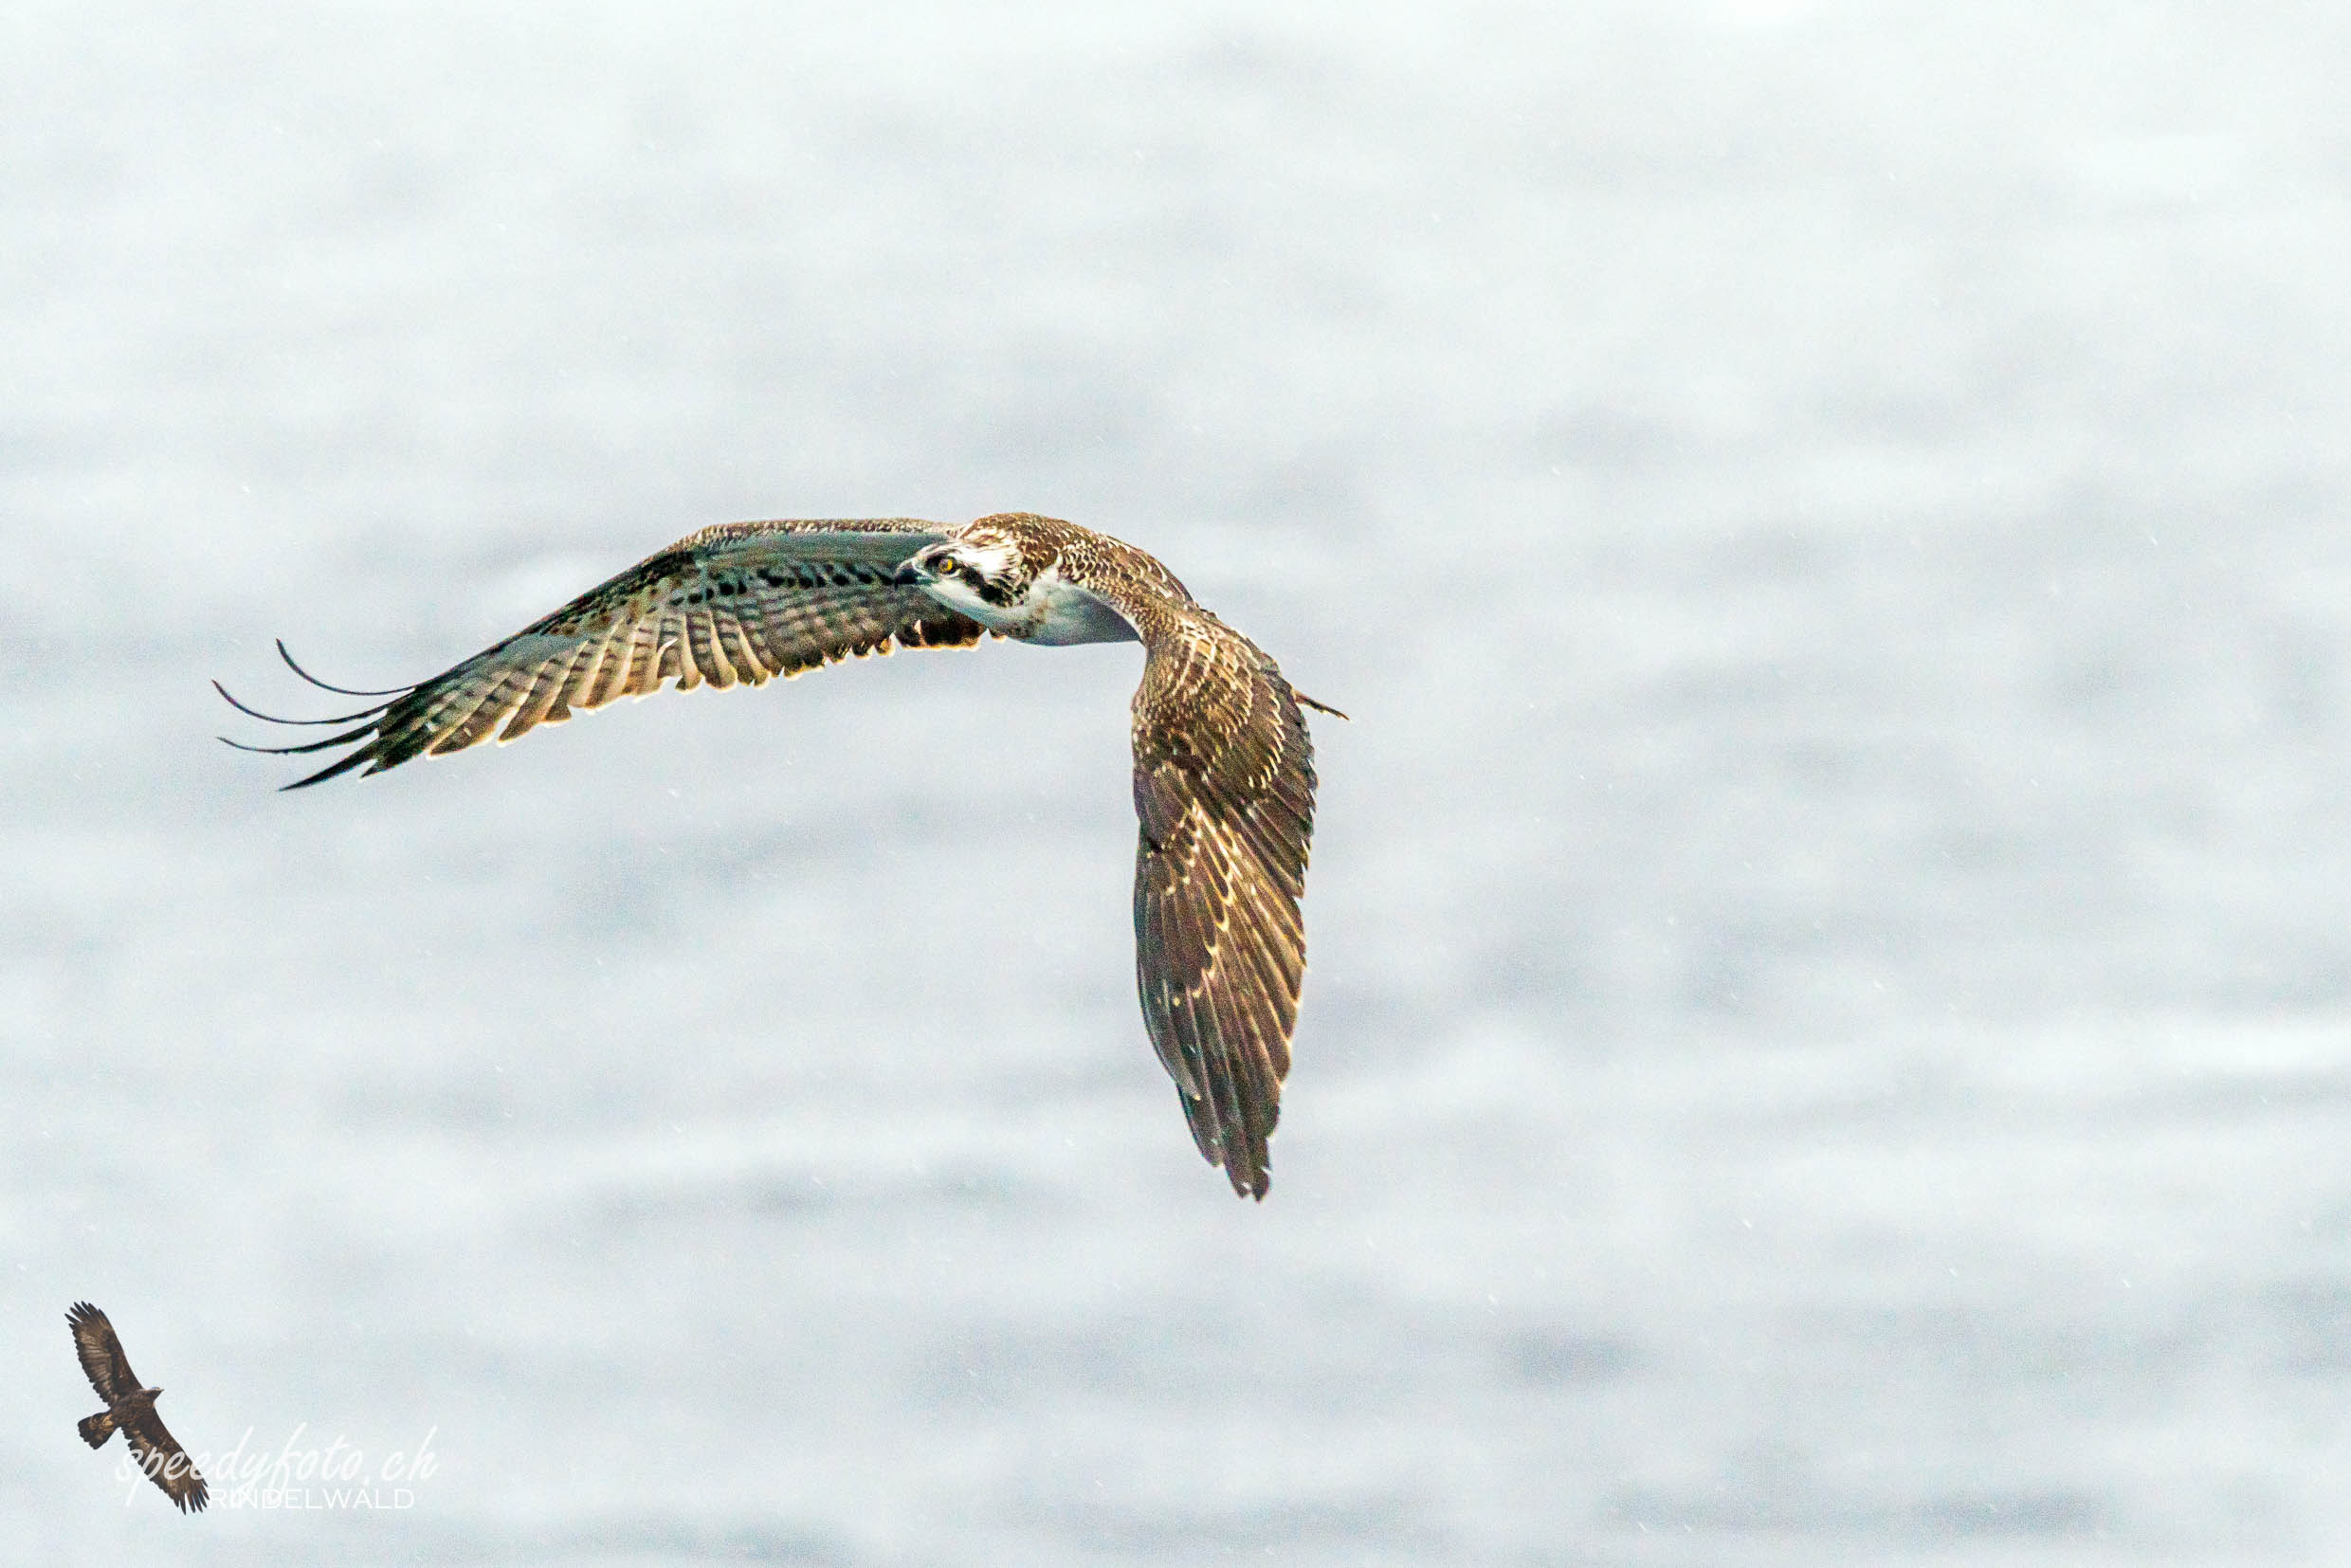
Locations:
(1224, 771)
(131, 1408)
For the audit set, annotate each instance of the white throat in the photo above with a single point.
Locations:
(1055, 612)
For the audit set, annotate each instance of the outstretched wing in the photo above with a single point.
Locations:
(101, 1353)
(1223, 789)
(732, 605)
(166, 1463)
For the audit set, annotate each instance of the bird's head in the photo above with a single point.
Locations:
(1007, 573)
(981, 573)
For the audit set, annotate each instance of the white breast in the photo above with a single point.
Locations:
(1058, 612)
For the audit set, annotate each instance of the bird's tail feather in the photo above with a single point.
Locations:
(96, 1428)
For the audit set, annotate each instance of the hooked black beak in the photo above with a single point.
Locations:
(910, 575)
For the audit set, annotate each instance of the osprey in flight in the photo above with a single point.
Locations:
(1224, 771)
(131, 1408)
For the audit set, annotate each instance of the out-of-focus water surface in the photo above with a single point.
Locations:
(1831, 924)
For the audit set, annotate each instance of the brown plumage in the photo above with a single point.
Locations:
(1224, 769)
(130, 1409)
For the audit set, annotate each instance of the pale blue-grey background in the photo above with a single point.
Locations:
(1826, 1040)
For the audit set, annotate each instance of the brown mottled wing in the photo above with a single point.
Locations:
(166, 1463)
(730, 606)
(1223, 789)
(101, 1353)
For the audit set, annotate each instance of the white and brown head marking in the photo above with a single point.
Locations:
(1224, 771)
(972, 571)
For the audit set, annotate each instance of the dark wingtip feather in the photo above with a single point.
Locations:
(273, 718)
(1249, 1178)
(324, 686)
(347, 738)
(1253, 1156)
(372, 717)
(340, 765)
